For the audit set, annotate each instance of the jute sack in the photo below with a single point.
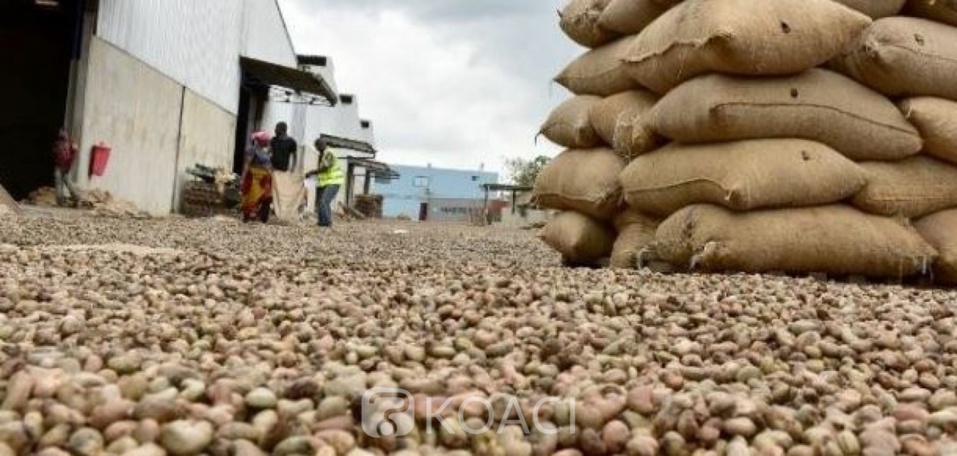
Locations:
(744, 37)
(579, 20)
(628, 17)
(938, 230)
(876, 9)
(622, 121)
(834, 239)
(818, 104)
(286, 194)
(943, 11)
(636, 232)
(577, 237)
(740, 175)
(598, 72)
(904, 56)
(583, 180)
(936, 119)
(569, 124)
(910, 188)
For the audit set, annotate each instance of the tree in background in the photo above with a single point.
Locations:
(524, 172)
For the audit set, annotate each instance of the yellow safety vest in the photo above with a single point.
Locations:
(333, 175)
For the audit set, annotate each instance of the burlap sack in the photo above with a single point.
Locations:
(936, 119)
(287, 195)
(636, 232)
(818, 104)
(910, 188)
(628, 17)
(943, 11)
(876, 9)
(742, 37)
(904, 56)
(740, 175)
(8, 205)
(583, 180)
(598, 72)
(621, 121)
(833, 239)
(578, 238)
(569, 124)
(939, 231)
(579, 20)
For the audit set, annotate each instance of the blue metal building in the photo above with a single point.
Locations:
(441, 194)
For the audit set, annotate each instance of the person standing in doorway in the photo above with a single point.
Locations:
(64, 156)
(257, 179)
(284, 149)
(330, 178)
(286, 183)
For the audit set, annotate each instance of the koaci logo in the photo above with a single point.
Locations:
(390, 412)
(387, 412)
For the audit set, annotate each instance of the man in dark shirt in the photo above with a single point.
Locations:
(283, 149)
(287, 178)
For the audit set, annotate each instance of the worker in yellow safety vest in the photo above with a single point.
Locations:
(330, 179)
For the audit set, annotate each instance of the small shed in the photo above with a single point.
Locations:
(513, 190)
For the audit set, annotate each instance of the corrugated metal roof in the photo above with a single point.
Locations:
(377, 168)
(301, 81)
(351, 144)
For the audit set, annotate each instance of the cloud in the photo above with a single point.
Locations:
(454, 84)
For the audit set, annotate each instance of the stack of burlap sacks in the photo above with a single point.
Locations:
(798, 136)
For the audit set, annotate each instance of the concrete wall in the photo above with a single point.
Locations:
(327, 72)
(341, 120)
(347, 120)
(75, 105)
(195, 43)
(136, 109)
(207, 136)
(368, 133)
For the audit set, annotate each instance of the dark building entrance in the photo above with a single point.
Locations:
(38, 41)
(423, 212)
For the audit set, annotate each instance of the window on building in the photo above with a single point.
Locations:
(420, 181)
(475, 178)
(382, 180)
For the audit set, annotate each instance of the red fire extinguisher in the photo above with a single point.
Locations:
(99, 159)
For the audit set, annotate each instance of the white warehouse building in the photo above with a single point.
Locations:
(166, 84)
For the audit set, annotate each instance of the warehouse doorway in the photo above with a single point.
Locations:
(245, 122)
(39, 40)
(423, 212)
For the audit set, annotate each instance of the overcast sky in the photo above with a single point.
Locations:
(454, 83)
